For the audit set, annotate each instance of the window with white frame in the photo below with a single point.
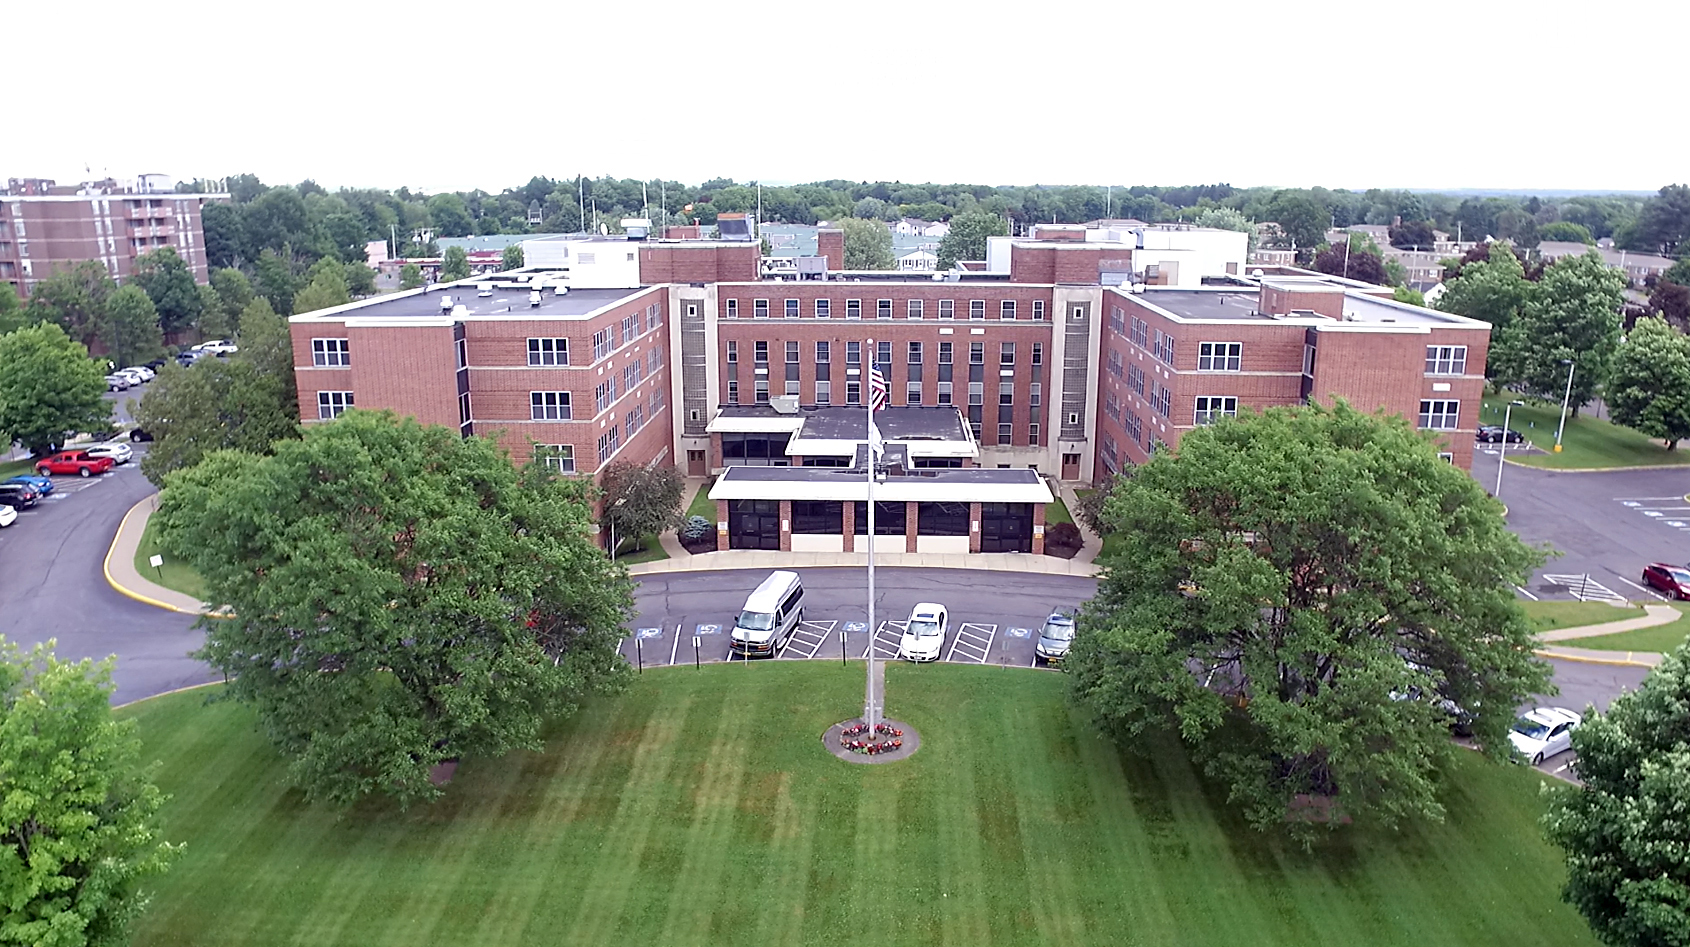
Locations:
(733, 391)
(331, 353)
(913, 310)
(912, 392)
(601, 396)
(947, 309)
(609, 442)
(853, 308)
(792, 309)
(760, 309)
(824, 392)
(558, 457)
(1006, 309)
(976, 309)
(1220, 356)
(824, 308)
(1437, 415)
(1033, 435)
(914, 356)
(1006, 433)
(824, 352)
(1035, 394)
(944, 393)
(883, 308)
(330, 404)
(792, 353)
(1446, 359)
(732, 310)
(548, 405)
(976, 392)
(1038, 310)
(1211, 408)
(653, 316)
(601, 344)
(548, 351)
(1006, 392)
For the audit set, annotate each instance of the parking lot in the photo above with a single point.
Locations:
(1604, 526)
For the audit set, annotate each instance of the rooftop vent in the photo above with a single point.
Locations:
(636, 228)
(784, 404)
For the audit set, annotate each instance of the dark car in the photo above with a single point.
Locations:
(19, 496)
(1495, 433)
(138, 435)
(1668, 578)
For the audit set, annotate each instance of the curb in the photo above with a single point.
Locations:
(1515, 463)
(1610, 662)
(105, 566)
(174, 690)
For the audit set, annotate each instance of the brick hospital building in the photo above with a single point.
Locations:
(1070, 353)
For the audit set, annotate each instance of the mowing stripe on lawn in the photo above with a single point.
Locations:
(713, 804)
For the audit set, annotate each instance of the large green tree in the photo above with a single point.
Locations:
(513, 257)
(233, 293)
(130, 330)
(326, 287)
(1356, 258)
(1301, 218)
(1663, 225)
(1625, 831)
(405, 597)
(78, 814)
(450, 215)
(1571, 315)
(868, 244)
(74, 297)
(454, 264)
(1649, 388)
(1494, 290)
(1282, 581)
(170, 285)
(11, 309)
(274, 279)
(49, 388)
(967, 238)
(639, 499)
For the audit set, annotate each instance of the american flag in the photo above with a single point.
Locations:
(877, 396)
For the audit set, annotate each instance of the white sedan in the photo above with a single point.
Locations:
(924, 637)
(119, 452)
(1543, 732)
(8, 516)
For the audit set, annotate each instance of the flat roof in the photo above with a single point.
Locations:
(848, 422)
(1240, 304)
(509, 301)
(940, 485)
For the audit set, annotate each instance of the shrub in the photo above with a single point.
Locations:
(1063, 534)
(695, 528)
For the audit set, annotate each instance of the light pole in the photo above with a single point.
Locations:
(1502, 446)
(1564, 399)
(614, 507)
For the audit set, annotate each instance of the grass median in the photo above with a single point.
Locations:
(174, 574)
(700, 808)
(1587, 442)
(1549, 616)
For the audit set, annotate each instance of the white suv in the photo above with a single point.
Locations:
(119, 452)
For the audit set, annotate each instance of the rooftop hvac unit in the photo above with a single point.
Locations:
(534, 298)
(445, 304)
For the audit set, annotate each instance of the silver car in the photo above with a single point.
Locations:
(119, 452)
(118, 382)
(1055, 637)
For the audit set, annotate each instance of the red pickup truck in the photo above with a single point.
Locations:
(78, 462)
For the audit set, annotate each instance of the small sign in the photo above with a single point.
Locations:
(856, 627)
(1020, 632)
(708, 629)
(156, 561)
(649, 633)
(696, 644)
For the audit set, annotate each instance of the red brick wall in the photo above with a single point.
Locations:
(410, 369)
(831, 244)
(704, 263)
(1032, 264)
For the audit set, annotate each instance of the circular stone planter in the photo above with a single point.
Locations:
(911, 739)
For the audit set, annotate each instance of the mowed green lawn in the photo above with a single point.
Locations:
(174, 574)
(700, 808)
(1587, 441)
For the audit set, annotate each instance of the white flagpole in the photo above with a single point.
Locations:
(871, 708)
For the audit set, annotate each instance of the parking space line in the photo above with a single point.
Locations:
(675, 647)
(1527, 594)
(1586, 589)
(1658, 596)
(810, 635)
(970, 635)
(881, 647)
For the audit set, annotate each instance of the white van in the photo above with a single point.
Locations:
(772, 612)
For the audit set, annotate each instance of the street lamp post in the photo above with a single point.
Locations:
(1502, 446)
(1564, 399)
(614, 506)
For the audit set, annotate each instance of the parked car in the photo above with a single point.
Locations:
(216, 347)
(78, 462)
(1543, 732)
(924, 636)
(187, 358)
(1055, 637)
(146, 373)
(18, 496)
(136, 379)
(155, 364)
(8, 516)
(116, 382)
(139, 435)
(119, 452)
(1668, 578)
(772, 613)
(1495, 433)
(42, 485)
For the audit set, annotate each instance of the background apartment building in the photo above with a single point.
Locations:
(45, 227)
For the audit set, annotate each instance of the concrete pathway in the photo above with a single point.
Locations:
(1092, 545)
(1652, 616)
(120, 566)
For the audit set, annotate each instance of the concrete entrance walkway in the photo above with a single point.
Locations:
(122, 575)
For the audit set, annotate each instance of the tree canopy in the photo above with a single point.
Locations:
(130, 328)
(1649, 388)
(49, 389)
(1282, 582)
(967, 237)
(170, 285)
(1571, 314)
(78, 814)
(454, 264)
(868, 244)
(640, 499)
(1356, 258)
(404, 597)
(1493, 290)
(1624, 832)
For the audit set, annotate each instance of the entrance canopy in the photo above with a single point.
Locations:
(949, 485)
(838, 430)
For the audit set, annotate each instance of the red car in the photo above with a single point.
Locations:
(78, 462)
(1668, 578)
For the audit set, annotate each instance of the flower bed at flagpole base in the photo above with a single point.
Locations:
(852, 742)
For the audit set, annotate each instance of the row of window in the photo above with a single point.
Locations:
(914, 392)
(542, 353)
(914, 352)
(883, 308)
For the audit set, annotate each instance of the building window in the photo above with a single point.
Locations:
(944, 392)
(976, 392)
(853, 392)
(609, 442)
(1439, 415)
(548, 351)
(1006, 353)
(1112, 362)
(1211, 408)
(914, 309)
(1006, 433)
(760, 352)
(1444, 360)
(733, 391)
(1135, 378)
(792, 387)
(653, 316)
(733, 309)
(1038, 310)
(947, 309)
(1220, 356)
(824, 392)
(1117, 320)
(792, 309)
(792, 353)
(330, 352)
(1006, 392)
(601, 344)
(853, 308)
(761, 387)
(601, 397)
(883, 308)
(944, 353)
(822, 352)
(912, 392)
(1038, 353)
(548, 405)
(330, 404)
(634, 420)
(558, 457)
(976, 353)
(976, 309)
(1035, 394)
(1033, 435)
(733, 351)
(1006, 309)
(824, 308)
(915, 353)
(462, 348)
(760, 309)
(883, 355)
(853, 353)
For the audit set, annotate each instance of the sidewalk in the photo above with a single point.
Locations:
(120, 566)
(764, 559)
(1653, 615)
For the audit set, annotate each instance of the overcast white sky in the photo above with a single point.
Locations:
(458, 96)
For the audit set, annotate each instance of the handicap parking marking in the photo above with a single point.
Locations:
(707, 629)
(973, 641)
(1586, 589)
(807, 639)
(648, 632)
(856, 627)
(1019, 632)
(887, 640)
